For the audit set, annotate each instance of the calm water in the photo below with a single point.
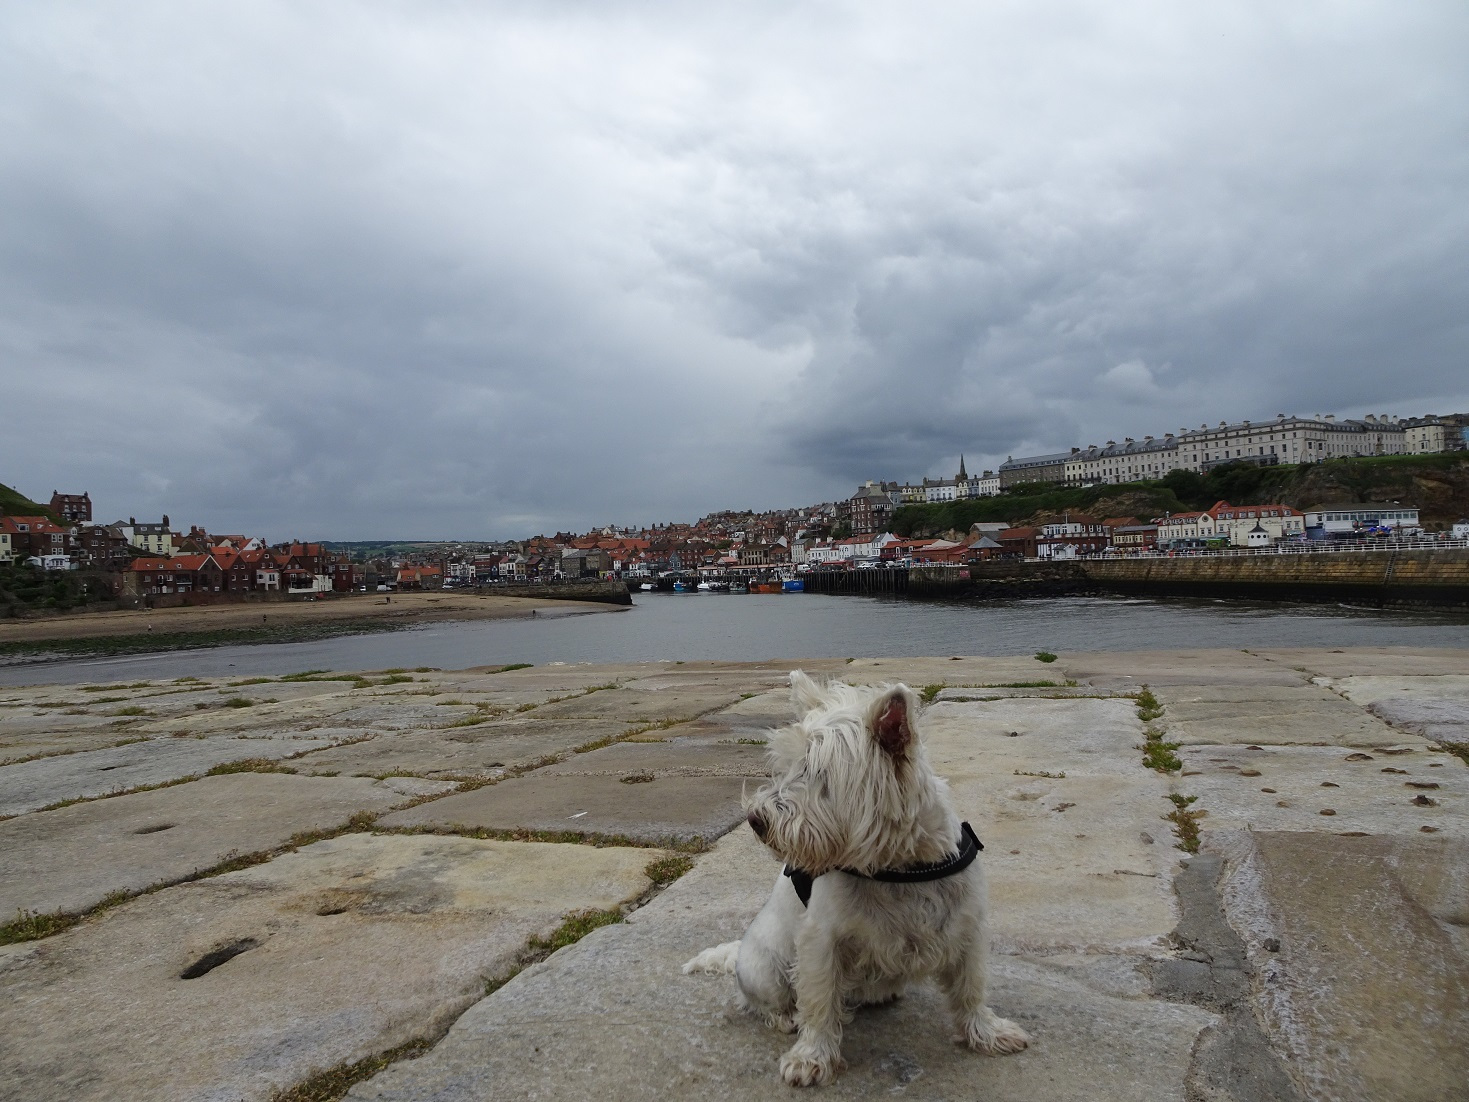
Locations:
(748, 628)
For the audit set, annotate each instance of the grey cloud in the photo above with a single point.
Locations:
(460, 270)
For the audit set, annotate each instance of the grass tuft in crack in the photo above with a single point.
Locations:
(334, 1083)
(1185, 822)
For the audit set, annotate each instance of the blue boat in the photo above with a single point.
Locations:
(794, 585)
(680, 587)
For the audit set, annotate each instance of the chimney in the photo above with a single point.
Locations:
(1147, 438)
(1127, 440)
(1075, 450)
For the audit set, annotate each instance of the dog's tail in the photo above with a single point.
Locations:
(719, 961)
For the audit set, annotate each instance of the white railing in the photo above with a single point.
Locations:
(1311, 548)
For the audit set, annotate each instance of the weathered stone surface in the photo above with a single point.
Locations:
(668, 807)
(1370, 661)
(1434, 720)
(955, 670)
(1326, 719)
(612, 1018)
(1369, 689)
(680, 757)
(21, 747)
(36, 784)
(1287, 788)
(485, 749)
(1081, 868)
(1124, 669)
(68, 859)
(1085, 825)
(1367, 989)
(634, 707)
(361, 943)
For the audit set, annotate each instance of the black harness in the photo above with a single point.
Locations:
(969, 847)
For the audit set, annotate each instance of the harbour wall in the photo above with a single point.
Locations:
(607, 592)
(1412, 577)
(1433, 578)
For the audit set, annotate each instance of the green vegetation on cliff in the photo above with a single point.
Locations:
(1437, 484)
(15, 504)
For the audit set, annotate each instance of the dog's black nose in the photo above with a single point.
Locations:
(757, 824)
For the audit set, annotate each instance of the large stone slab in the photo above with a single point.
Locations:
(1124, 669)
(664, 808)
(612, 1018)
(1369, 689)
(70, 858)
(954, 670)
(679, 757)
(485, 749)
(1370, 661)
(636, 707)
(360, 943)
(1289, 788)
(36, 784)
(1092, 829)
(1307, 719)
(1434, 720)
(1363, 957)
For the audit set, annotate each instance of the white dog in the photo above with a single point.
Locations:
(880, 885)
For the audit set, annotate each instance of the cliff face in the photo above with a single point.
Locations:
(1439, 489)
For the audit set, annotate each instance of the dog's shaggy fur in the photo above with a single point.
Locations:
(852, 792)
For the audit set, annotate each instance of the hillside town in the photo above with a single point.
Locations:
(146, 560)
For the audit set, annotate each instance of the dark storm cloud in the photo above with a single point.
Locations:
(458, 270)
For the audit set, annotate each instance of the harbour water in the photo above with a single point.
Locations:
(695, 627)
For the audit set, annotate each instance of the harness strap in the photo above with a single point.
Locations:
(969, 847)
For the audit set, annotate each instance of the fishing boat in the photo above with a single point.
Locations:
(739, 587)
(681, 587)
(764, 587)
(794, 585)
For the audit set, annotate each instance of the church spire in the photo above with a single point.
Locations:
(962, 476)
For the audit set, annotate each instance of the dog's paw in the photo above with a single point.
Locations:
(993, 1035)
(803, 1066)
(718, 961)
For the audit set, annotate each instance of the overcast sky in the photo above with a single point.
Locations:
(376, 270)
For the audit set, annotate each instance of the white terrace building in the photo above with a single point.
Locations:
(1289, 440)
(1283, 440)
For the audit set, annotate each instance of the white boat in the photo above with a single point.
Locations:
(647, 587)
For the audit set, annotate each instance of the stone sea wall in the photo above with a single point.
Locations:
(1395, 577)
(602, 592)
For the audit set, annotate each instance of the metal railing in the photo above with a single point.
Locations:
(1335, 547)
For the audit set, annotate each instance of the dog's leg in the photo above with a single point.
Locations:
(963, 981)
(816, 1057)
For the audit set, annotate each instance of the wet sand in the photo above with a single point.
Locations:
(405, 609)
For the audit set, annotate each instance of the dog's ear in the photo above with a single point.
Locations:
(892, 721)
(805, 693)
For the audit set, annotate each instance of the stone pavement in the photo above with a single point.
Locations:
(334, 868)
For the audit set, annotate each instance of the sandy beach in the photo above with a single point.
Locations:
(404, 609)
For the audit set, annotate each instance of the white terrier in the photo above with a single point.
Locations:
(880, 885)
